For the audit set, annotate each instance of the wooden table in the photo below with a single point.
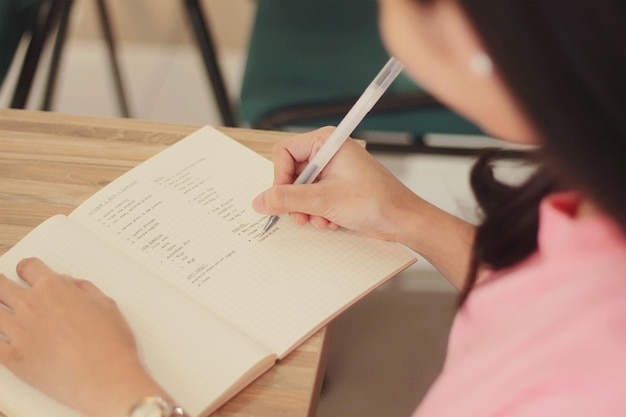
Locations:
(50, 163)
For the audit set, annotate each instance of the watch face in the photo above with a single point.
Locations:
(148, 409)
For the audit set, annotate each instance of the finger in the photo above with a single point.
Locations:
(9, 291)
(303, 198)
(319, 222)
(7, 320)
(6, 350)
(7, 327)
(88, 286)
(33, 270)
(291, 155)
(66, 278)
(300, 218)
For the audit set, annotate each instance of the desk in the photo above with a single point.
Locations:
(50, 163)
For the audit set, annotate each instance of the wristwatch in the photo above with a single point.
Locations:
(156, 407)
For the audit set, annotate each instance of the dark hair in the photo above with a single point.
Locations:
(564, 62)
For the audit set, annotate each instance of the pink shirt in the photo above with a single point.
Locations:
(547, 337)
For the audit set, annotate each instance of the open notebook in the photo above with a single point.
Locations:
(213, 301)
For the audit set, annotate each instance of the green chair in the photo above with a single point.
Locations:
(309, 60)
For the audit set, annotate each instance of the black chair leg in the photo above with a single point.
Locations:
(59, 42)
(115, 70)
(47, 15)
(50, 14)
(207, 48)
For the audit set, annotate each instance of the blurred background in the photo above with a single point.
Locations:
(387, 349)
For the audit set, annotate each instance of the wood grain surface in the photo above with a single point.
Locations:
(50, 163)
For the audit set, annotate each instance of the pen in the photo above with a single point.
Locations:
(356, 114)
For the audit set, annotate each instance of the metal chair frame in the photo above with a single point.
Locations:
(51, 20)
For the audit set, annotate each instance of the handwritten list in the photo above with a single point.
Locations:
(150, 214)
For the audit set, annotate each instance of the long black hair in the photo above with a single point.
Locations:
(565, 63)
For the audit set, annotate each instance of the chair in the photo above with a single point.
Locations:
(206, 46)
(41, 20)
(309, 60)
(16, 17)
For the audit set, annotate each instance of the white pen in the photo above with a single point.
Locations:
(356, 114)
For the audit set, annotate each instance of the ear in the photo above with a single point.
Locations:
(492, 106)
(463, 41)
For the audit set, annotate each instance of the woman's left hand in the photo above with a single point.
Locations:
(68, 339)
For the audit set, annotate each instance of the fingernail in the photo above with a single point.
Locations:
(258, 204)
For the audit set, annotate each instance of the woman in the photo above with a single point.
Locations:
(541, 329)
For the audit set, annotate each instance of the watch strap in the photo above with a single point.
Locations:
(167, 409)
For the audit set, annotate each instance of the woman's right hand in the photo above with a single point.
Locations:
(353, 191)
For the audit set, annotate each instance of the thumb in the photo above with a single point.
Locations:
(301, 198)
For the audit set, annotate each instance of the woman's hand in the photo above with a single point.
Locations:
(354, 191)
(66, 338)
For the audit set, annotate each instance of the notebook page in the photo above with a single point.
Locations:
(300, 280)
(193, 355)
(186, 214)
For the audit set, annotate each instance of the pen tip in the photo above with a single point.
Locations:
(270, 222)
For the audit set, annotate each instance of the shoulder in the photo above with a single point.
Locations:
(544, 338)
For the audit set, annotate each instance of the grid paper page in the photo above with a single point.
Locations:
(194, 355)
(186, 214)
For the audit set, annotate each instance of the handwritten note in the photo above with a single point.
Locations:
(190, 219)
(186, 215)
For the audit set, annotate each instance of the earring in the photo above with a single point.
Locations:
(481, 65)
